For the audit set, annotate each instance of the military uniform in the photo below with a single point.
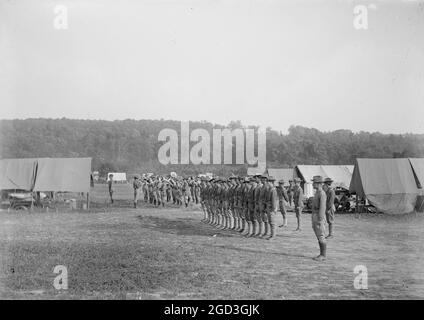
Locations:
(330, 208)
(318, 217)
(271, 206)
(282, 196)
(298, 202)
(136, 187)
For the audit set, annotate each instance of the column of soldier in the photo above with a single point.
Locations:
(247, 205)
(159, 190)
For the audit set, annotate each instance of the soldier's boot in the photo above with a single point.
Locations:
(284, 224)
(251, 229)
(272, 232)
(227, 223)
(248, 228)
(254, 225)
(225, 226)
(330, 231)
(135, 204)
(266, 229)
(298, 225)
(259, 229)
(232, 224)
(322, 251)
(242, 225)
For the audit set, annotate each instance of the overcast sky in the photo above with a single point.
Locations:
(268, 63)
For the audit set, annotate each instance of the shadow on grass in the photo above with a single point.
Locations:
(188, 227)
(267, 252)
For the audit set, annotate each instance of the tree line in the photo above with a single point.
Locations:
(132, 145)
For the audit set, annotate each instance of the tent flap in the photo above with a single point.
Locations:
(63, 174)
(17, 173)
(388, 184)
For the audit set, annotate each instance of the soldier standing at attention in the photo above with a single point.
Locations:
(282, 196)
(246, 203)
(318, 216)
(136, 186)
(262, 204)
(298, 201)
(259, 206)
(290, 192)
(110, 186)
(330, 209)
(271, 206)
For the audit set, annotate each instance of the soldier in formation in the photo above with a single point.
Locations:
(247, 205)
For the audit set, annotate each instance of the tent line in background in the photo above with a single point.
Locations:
(46, 174)
(391, 185)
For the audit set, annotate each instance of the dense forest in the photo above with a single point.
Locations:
(132, 145)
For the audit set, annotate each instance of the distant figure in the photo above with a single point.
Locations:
(330, 208)
(282, 196)
(290, 192)
(110, 185)
(136, 186)
(298, 201)
(318, 216)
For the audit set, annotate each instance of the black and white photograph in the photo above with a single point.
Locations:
(220, 151)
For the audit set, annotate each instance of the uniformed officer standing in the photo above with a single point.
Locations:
(259, 207)
(271, 206)
(110, 186)
(298, 201)
(290, 192)
(330, 209)
(136, 187)
(252, 223)
(282, 196)
(318, 216)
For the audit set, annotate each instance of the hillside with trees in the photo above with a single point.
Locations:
(132, 145)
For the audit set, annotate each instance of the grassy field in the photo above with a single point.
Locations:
(116, 252)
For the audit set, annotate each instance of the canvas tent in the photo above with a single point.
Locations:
(387, 184)
(118, 176)
(63, 174)
(17, 174)
(278, 174)
(417, 165)
(46, 174)
(251, 171)
(341, 174)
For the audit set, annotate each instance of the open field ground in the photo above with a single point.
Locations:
(168, 253)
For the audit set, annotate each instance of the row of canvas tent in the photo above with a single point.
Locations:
(390, 185)
(46, 174)
(341, 174)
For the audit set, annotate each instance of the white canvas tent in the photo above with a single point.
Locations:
(387, 184)
(118, 176)
(341, 174)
